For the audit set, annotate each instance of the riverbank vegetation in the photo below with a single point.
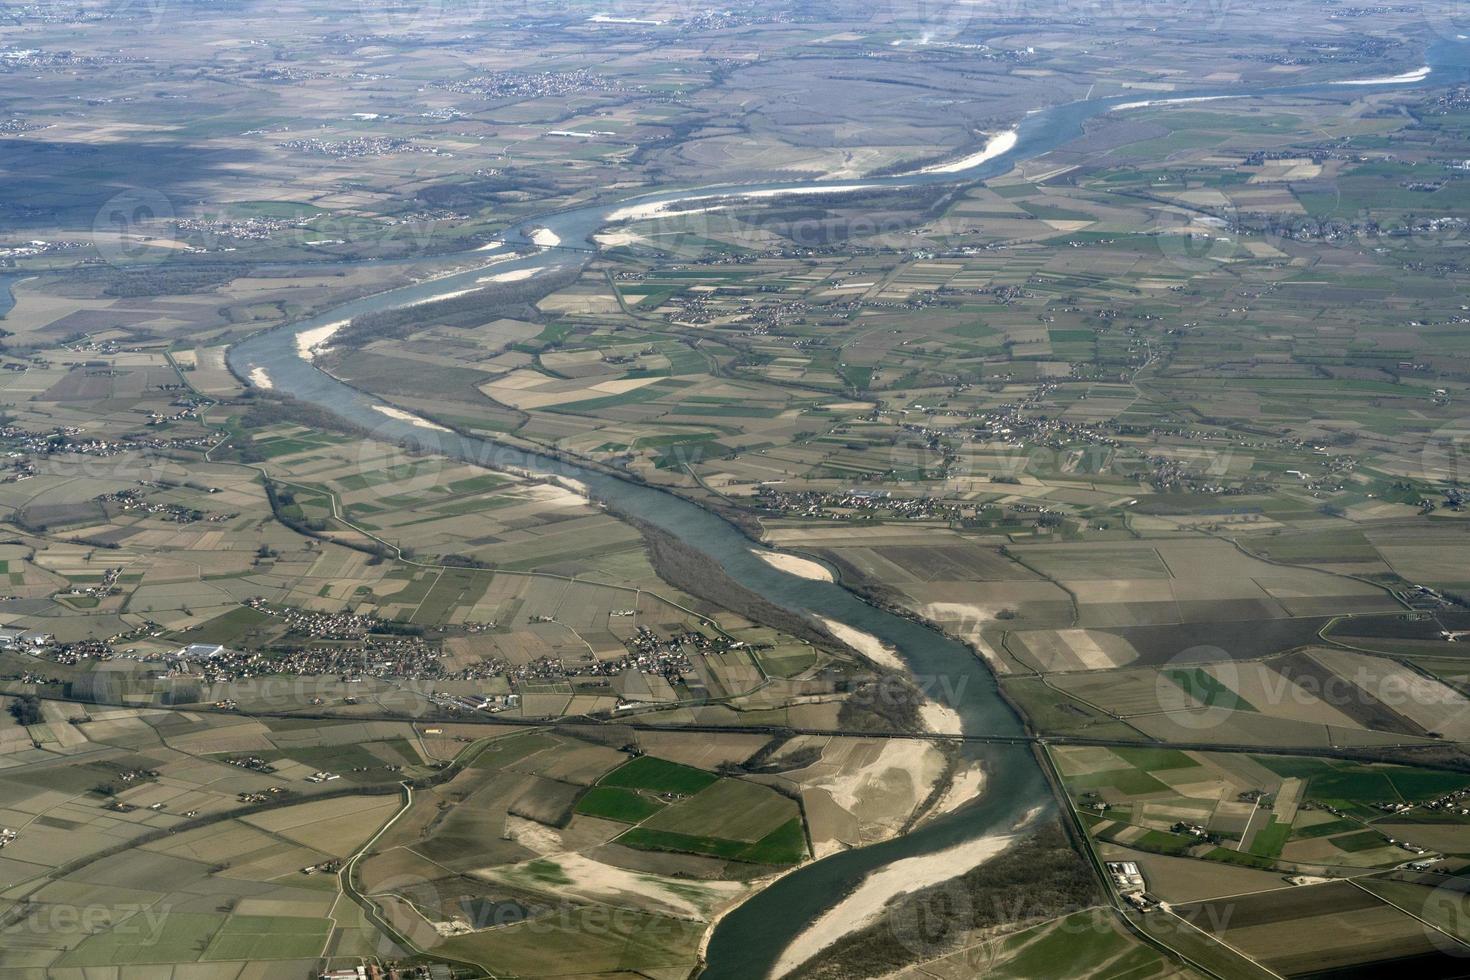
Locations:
(1038, 878)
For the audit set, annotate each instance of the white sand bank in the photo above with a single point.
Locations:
(409, 417)
(1417, 75)
(994, 147)
(865, 643)
(795, 565)
(310, 343)
(866, 903)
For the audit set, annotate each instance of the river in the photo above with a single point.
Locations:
(749, 940)
(7, 295)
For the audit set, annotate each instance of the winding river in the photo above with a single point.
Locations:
(751, 938)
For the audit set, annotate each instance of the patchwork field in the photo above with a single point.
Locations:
(1322, 930)
(1286, 814)
(1162, 418)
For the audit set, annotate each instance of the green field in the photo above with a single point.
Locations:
(170, 937)
(1160, 422)
(1208, 689)
(784, 845)
(616, 803)
(659, 776)
(269, 937)
(732, 809)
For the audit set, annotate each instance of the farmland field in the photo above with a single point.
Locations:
(660, 776)
(674, 490)
(617, 804)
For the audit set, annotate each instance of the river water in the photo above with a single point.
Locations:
(750, 939)
(7, 295)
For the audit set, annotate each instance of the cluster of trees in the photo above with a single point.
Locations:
(26, 709)
(171, 279)
(887, 703)
(685, 568)
(457, 560)
(759, 761)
